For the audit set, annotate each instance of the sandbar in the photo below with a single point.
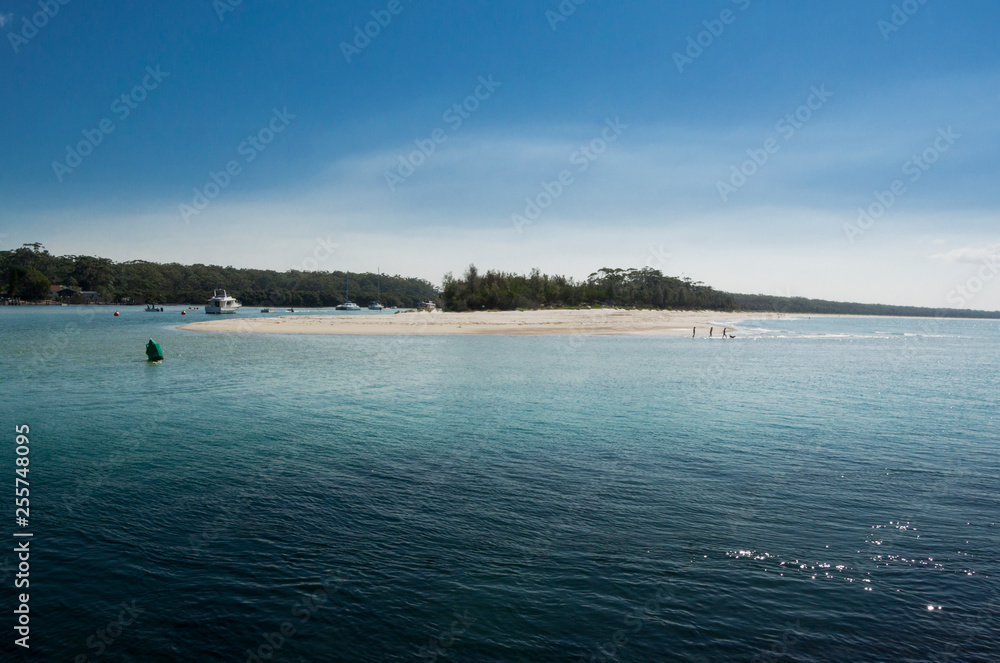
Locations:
(424, 323)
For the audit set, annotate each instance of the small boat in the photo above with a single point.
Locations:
(348, 305)
(376, 305)
(220, 302)
(265, 310)
(153, 308)
(154, 351)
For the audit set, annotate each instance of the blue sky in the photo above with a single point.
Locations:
(644, 125)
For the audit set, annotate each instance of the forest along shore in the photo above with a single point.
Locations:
(593, 321)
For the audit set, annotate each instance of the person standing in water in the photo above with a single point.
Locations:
(694, 330)
(710, 330)
(724, 329)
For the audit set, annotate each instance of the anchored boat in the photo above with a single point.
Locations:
(220, 302)
(348, 305)
(377, 305)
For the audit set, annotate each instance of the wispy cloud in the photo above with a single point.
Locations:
(971, 254)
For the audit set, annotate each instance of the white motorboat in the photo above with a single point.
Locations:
(220, 302)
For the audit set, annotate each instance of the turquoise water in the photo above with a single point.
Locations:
(805, 492)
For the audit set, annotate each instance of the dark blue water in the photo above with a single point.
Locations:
(806, 492)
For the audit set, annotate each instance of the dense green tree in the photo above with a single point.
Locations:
(27, 283)
(645, 288)
(28, 271)
(140, 280)
(641, 288)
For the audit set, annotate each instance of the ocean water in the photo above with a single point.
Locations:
(813, 490)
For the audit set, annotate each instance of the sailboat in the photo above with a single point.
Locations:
(347, 305)
(375, 305)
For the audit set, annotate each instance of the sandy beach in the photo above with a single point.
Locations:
(594, 321)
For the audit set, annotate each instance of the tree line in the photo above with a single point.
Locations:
(644, 288)
(28, 272)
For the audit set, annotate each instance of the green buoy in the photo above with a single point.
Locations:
(154, 351)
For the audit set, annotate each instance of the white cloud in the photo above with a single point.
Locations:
(971, 254)
(889, 266)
